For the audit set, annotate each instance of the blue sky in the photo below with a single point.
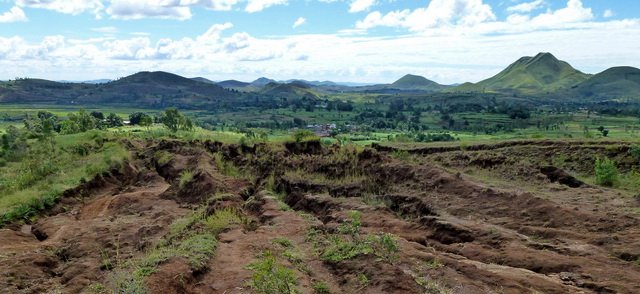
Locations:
(449, 41)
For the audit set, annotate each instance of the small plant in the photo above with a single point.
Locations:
(222, 219)
(163, 158)
(389, 246)
(320, 288)
(400, 154)
(284, 242)
(271, 277)
(606, 172)
(186, 177)
(433, 264)
(122, 282)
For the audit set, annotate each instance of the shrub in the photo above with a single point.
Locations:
(606, 172)
(302, 135)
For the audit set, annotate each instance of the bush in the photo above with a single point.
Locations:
(606, 172)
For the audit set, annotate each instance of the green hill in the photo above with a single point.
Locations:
(414, 82)
(293, 90)
(540, 74)
(144, 89)
(616, 82)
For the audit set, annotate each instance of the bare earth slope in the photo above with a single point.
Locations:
(455, 233)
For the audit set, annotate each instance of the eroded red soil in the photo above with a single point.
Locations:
(455, 233)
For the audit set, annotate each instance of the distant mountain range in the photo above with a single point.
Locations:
(539, 76)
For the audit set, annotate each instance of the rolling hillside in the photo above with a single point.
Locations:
(616, 82)
(541, 74)
(144, 89)
(290, 91)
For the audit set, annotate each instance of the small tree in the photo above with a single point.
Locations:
(113, 120)
(606, 172)
(175, 121)
(146, 121)
(171, 119)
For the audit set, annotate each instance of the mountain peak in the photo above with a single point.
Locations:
(535, 75)
(410, 81)
(262, 81)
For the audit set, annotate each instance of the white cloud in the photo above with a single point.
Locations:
(438, 13)
(608, 13)
(15, 14)
(526, 6)
(300, 21)
(73, 7)
(465, 43)
(259, 5)
(575, 12)
(135, 9)
(361, 5)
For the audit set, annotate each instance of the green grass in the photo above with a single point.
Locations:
(320, 287)
(35, 183)
(223, 219)
(269, 276)
(350, 243)
(186, 177)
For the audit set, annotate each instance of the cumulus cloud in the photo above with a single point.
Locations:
(361, 5)
(73, 7)
(259, 5)
(455, 43)
(526, 6)
(134, 9)
(608, 13)
(438, 13)
(300, 21)
(138, 9)
(15, 14)
(574, 12)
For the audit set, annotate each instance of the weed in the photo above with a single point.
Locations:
(271, 277)
(122, 282)
(340, 247)
(363, 280)
(225, 167)
(186, 177)
(320, 287)
(284, 242)
(163, 158)
(433, 264)
(97, 288)
(197, 249)
(433, 286)
(222, 219)
(400, 154)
